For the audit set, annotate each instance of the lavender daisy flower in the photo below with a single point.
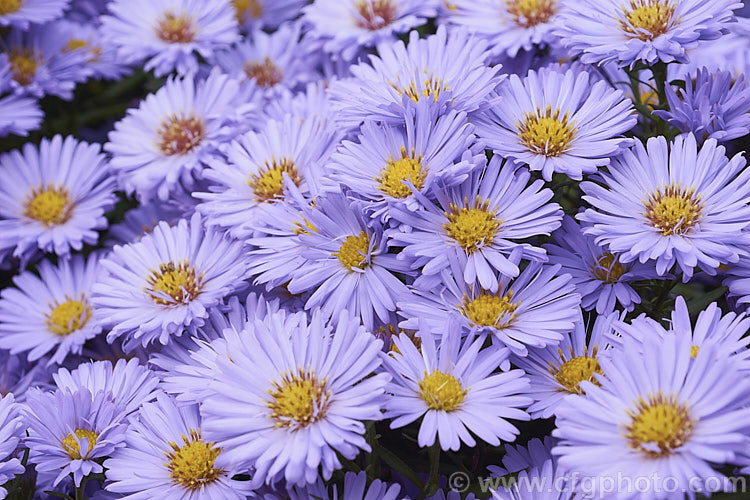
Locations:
(166, 456)
(425, 69)
(348, 25)
(164, 284)
(511, 25)
(312, 390)
(642, 30)
(21, 13)
(476, 225)
(711, 106)
(51, 312)
(171, 34)
(599, 276)
(11, 432)
(53, 196)
(672, 205)
(557, 122)
(269, 14)
(69, 432)
(738, 281)
(165, 142)
(454, 387)
(656, 413)
(101, 55)
(18, 114)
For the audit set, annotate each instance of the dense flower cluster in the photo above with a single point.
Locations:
(374, 249)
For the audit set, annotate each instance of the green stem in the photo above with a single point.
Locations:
(80, 495)
(432, 483)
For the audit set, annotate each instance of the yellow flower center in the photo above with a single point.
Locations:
(247, 8)
(375, 14)
(406, 168)
(575, 370)
(176, 28)
(674, 210)
(75, 44)
(192, 464)
(9, 6)
(659, 425)
(50, 206)
(174, 284)
(546, 133)
(529, 13)
(608, 269)
(432, 87)
(23, 64)
(299, 400)
(694, 351)
(489, 309)
(647, 19)
(69, 316)
(178, 134)
(72, 446)
(441, 391)
(472, 227)
(354, 251)
(265, 72)
(268, 182)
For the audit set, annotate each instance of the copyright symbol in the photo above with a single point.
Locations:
(458, 482)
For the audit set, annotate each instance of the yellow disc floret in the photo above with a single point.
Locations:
(529, 13)
(472, 226)
(69, 316)
(659, 425)
(674, 210)
(354, 251)
(298, 400)
(174, 283)
(50, 205)
(268, 182)
(607, 268)
(546, 132)
(408, 167)
(71, 444)
(441, 391)
(575, 370)
(192, 464)
(489, 309)
(647, 19)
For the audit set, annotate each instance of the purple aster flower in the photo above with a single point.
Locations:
(313, 386)
(101, 55)
(50, 312)
(69, 432)
(599, 276)
(22, 13)
(11, 432)
(711, 106)
(54, 196)
(656, 413)
(170, 34)
(557, 122)
(738, 281)
(269, 14)
(476, 225)
(18, 114)
(454, 386)
(164, 284)
(425, 69)
(140, 221)
(672, 205)
(17, 374)
(642, 30)
(166, 456)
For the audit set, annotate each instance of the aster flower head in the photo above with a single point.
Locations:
(164, 284)
(22, 13)
(476, 225)
(670, 205)
(170, 34)
(269, 14)
(656, 411)
(711, 106)
(346, 26)
(50, 312)
(557, 122)
(18, 114)
(101, 55)
(141, 220)
(424, 69)
(69, 432)
(166, 456)
(11, 432)
(454, 387)
(642, 30)
(164, 143)
(313, 389)
(737, 279)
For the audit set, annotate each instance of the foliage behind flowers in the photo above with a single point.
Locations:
(374, 249)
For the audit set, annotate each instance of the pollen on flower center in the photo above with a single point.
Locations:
(72, 446)
(176, 28)
(174, 284)
(659, 425)
(529, 13)
(674, 210)
(441, 391)
(647, 19)
(23, 64)
(575, 370)
(180, 134)
(607, 268)
(546, 133)
(407, 168)
(432, 87)
(265, 72)
(69, 316)
(694, 351)
(354, 251)
(472, 228)
(375, 14)
(245, 8)
(489, 309)
(268, 183)
(10, 6)
(51, 205)
(191, 465)
(298, 400)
